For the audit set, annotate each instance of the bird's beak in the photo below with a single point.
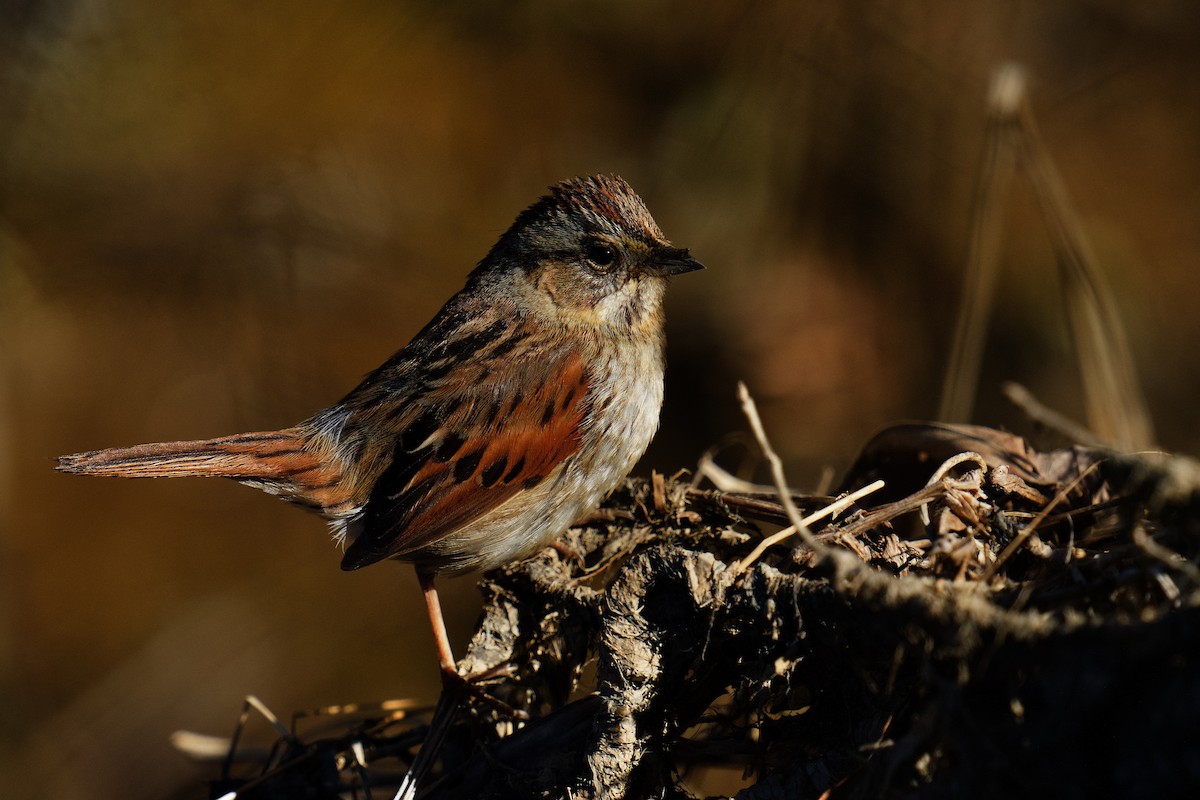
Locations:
(673, 261)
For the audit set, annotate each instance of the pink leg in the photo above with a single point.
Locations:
(451, 680)
(434, 607)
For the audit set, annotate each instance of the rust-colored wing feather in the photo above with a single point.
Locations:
(454, 463)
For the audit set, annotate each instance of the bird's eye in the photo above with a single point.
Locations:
(600, 256)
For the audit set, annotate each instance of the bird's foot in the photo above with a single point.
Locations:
(468, 687)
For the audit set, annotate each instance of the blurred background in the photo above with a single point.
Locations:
(216, 217)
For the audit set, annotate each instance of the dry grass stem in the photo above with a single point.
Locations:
(785, 495)
(1113, 396)
(831, 510)
(986, 244)
(1115, 402)
(723, 479)
(1033, 408)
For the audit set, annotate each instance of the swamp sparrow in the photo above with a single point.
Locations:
(525, 400)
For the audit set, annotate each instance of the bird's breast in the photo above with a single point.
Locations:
(627, 393)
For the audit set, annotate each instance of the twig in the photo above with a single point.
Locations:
(886, 513)
(205, 747)
(1116, 406)
(844, 561)
(1166, 555)
(443, 716)
(785, 495)
(944, 469)
(1033, 408)
(983, 258)
(722, 478)
(751, 506)
(1028, 530)
(831, 510)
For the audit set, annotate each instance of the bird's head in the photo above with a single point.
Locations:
(589, 253)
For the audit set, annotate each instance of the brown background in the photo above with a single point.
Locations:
(216, 219)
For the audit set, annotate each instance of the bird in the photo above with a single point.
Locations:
(525, 400)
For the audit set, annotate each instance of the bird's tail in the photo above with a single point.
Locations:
(294, 464)
(268, 456)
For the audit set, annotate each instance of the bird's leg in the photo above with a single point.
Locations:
(434, 607)
(451, 680)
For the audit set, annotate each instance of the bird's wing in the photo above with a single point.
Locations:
(488, 434)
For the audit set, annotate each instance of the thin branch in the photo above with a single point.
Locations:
(831, 510)
(785, 494)
(1033, 408)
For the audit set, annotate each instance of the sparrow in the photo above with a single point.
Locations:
(528, 397)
